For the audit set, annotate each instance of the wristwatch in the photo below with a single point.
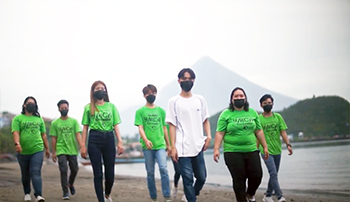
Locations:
(289, 145)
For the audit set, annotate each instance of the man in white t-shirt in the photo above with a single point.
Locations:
(187, 116)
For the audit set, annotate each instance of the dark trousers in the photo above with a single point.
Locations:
(73, 166)
(177, 173)
(243, 166)
(101, 145)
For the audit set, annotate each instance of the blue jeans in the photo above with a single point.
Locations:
(31, 170)
(190, 166)
(151, 156)
(101, 145)
(273, 165)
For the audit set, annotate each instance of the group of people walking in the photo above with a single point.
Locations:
(182, 131)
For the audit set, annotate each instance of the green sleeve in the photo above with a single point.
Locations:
(15, 124)
(53, 129)
(77, 128)
(86, 116)
(282, 124)
(257, 121)
(222, 123)
(42, 126)
(163, 116)
(138, 118)
(116, 117)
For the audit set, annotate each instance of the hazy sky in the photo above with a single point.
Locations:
(57, 49)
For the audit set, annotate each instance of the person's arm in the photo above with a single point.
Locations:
(206, 126)
(148, 143)
(166, 138)
(53, 145)
(46, 145)
(79, 140)
(83, 151)
(261, 138)
(172, 131)
(286, 140)
(16, 140)
(218, 139)
(119, 138)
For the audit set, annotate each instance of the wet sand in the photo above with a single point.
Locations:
(126, 188)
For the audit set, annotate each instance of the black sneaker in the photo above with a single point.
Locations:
(72, 190)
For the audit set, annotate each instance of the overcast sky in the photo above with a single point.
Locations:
(55, 50)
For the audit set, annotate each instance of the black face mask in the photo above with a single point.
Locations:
(64, 112)
(239, 103)
(267, 108)
(186, 85)
(151, 98)
(100, 94)
(31, 107)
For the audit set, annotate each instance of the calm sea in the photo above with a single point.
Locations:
(315, 167)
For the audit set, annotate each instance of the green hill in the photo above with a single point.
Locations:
(318, 118)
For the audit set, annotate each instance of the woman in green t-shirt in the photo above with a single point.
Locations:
(102, 118)
(29, 134)
(239, 126)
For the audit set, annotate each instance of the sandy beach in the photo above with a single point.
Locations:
(126, 188)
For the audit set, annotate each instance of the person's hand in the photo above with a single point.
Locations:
(207, 143)
(120, 148)
(266, 153)
(54, 157)
(168, 150)
(18, 148)
(216, 155)
(290, 150)
(47, 153)
(149, 144)
(174, 154)
(83, 152)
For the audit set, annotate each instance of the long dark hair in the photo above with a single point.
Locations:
(93, 100)
(36, 113)
(246, 104)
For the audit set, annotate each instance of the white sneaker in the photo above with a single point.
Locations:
(282, 199)
(184, 199)
(27, 198)
(39, 199)
(251, 198)
(109, 199)
(174, 192)
(267, 199)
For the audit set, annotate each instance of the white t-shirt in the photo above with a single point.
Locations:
(188, 115)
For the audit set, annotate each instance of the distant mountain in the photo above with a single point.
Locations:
(215, 82)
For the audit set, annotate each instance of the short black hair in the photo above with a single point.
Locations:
(149, 88)
(62, 102)
(265, 97)
(184, 70)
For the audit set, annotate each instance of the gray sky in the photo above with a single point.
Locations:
(55, 50)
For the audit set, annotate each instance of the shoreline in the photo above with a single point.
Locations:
(130, 188)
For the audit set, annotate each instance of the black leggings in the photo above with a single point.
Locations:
(243, 166)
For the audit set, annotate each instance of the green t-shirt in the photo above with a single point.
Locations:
(152, 120)
(65, 131)
(104, 119)
(272, 127)
(30, 129)
(239, 128)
